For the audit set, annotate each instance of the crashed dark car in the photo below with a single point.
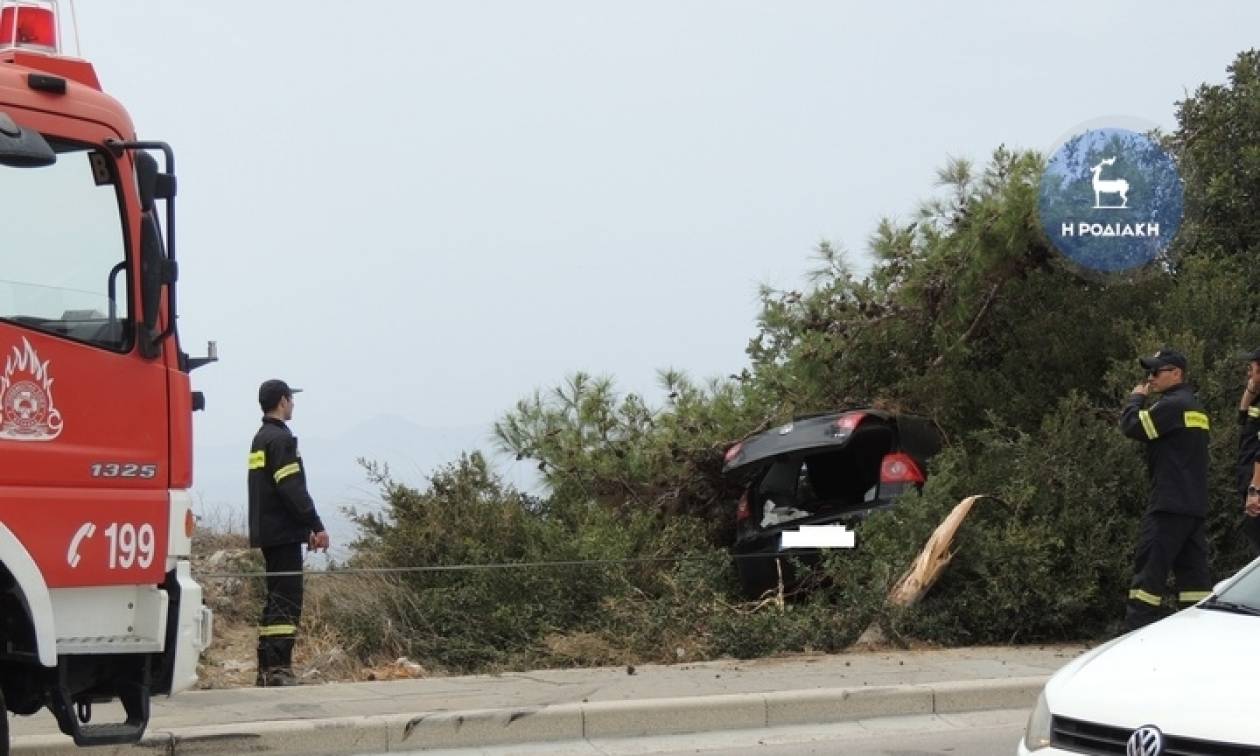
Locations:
(831, 470)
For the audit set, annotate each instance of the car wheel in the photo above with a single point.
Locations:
(757, 575)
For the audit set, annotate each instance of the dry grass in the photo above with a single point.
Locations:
(231, 661)
(322, 653)
(319, 657)
(359, 627)
(585, 650)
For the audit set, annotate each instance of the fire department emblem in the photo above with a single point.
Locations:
(26, 401)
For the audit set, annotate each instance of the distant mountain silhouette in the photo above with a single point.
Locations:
(336, 480)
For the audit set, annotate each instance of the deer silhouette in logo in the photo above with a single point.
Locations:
(1109, 186)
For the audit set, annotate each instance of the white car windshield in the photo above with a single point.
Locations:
(1245, 590)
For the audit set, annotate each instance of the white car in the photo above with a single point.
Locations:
(1184, 686)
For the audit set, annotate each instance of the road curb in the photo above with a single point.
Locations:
(570, 721)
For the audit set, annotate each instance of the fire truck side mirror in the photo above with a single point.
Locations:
(146, 180)
(152, 277)
(150, 183)
(158, 268)
(23, 148)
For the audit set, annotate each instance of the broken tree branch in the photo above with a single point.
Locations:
(926, 568)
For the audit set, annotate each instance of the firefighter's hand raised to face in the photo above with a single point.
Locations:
(1143, 388)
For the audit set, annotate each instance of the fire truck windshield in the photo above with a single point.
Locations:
(63, 264)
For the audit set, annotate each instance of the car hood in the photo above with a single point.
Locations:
(1192, 675)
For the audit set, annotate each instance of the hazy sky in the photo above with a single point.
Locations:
(429, 209)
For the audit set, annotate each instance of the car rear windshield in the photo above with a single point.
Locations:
(837, 478)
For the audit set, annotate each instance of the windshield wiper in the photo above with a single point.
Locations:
(1230, 606)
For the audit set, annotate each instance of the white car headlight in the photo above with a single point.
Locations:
(1037, 734)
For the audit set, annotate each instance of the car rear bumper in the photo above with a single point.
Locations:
(770, 540)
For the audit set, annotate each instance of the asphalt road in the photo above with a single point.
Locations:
(989, 733)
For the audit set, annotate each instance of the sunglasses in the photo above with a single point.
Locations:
(1157, 371)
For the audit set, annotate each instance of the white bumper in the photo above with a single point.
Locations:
(194, 631)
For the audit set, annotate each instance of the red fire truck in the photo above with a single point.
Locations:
(96, 599)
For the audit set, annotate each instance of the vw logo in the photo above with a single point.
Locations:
(1146, 741)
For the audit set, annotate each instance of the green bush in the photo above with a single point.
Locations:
(968, 318)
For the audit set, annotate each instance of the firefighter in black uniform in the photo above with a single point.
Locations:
(1175, 433)
(282, 518)
(1249, 449)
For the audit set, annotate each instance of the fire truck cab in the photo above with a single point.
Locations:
(97, 602)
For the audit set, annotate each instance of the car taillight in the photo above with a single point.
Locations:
(849, 422)
(744, 511)
(734, 451)
(900, 467)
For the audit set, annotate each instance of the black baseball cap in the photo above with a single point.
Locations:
(1164, 358)
(271, 392)
(1252, 356)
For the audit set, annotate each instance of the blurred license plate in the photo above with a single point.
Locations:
(817, 537)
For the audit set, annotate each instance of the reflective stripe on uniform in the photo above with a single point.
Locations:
(1253, 412)
(1188, 597)
(1148, 424)
(273, 631)
(1197, 420)
(257, 460)
(289, 469)
(1144, 597)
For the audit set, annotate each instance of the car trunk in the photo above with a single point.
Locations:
(821, 483)
(826, 470)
